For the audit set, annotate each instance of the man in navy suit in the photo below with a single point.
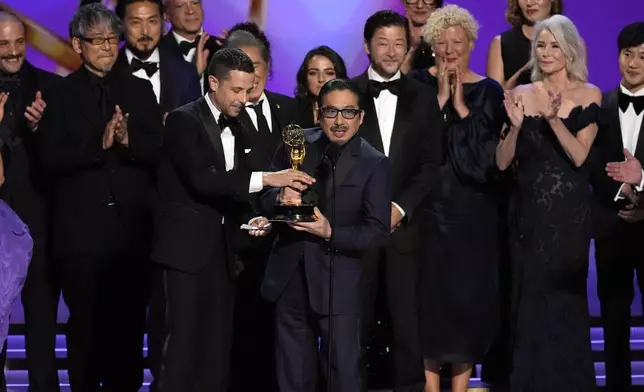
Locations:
(354, 215)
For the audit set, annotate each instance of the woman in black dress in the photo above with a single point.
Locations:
(553, 125)
(320, 65)
(459, 265)
(509, 53)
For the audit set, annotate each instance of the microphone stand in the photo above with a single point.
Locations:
(329, 377)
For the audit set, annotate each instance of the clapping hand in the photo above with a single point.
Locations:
(628, 171)
(35, 111)
(513, 103)
(444, 88)
(116, 129)
(548, 102)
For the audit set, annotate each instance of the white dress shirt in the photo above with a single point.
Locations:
(156, 78)
(191, 54)
(228, 142)
(630, 124)
(266, 110)
(386, 111)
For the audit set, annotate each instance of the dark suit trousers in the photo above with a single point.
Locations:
(199, 311)
(298, 328)
(617, 258)
(106, 292)
(40, 297)
(401, 271)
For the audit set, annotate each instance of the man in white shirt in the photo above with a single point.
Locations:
(619, 218)
(204, 186)
(173, 81)
(402, 121)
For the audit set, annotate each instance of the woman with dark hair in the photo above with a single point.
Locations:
(509, 54)
(320, 65)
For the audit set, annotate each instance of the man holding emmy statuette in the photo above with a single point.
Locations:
(204, 187)
(352, 213)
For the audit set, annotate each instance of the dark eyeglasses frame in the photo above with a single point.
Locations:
(100, 41)
(347, 114)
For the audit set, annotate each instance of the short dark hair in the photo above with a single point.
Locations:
(385, 19)
(92, 15)
(253, 28)
(631, 36)
(340, 84)
(302, 89)
(229, 59)
(121, 6)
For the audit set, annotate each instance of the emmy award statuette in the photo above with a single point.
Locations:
(294, 210)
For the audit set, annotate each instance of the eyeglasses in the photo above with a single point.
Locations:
(99, 41)
(348, 114)
(426, 2)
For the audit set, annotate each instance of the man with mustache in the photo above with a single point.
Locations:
(173, 81)
(205, 184)
(26, 190)
(100, 141)
(401, 122)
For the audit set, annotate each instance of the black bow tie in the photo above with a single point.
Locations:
(226, 122)
(625, 100)
(150, 68)
(187, 46)
(376, 87)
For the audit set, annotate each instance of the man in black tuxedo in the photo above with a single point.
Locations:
(399, 122)
(618, 220)
(175, 83)
(26, 191)
(205, 185)
(100, 138)
(352, 192)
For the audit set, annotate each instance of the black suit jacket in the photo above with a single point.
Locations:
(179, 80)
(26, 186)
(609, 147)
(88, 178)
(283, 113)
(415, 150)
(362, 220)
(170, 43)
(196, 192)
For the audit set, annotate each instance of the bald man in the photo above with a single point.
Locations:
(25, 190)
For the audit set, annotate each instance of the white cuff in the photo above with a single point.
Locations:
(618, 195)
(402, 212)
(641, 184)
(256, 183)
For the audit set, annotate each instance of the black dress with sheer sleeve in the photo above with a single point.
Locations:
(550, 238)
(458, 283)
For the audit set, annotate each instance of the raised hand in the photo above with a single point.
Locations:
(513, 103)
(548, 102)
(3, 100)
(444, 88)
(35, 111)
(120, 129)
(628, 171)
(202, 54)
(108, 134)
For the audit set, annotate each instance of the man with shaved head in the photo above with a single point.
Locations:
(25, 190)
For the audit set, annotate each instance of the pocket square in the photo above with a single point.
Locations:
(246, 150)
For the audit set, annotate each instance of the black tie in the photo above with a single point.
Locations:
(625, 100)
(226, 122)
(149, 67)
(262, 124)
(187, 46)
(376, 87)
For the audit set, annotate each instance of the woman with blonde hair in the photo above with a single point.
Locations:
(459, 265)
(553, 123)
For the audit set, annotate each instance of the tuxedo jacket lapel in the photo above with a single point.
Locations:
(166, 72)
(369, 130)
(401, 122)
(214, 134)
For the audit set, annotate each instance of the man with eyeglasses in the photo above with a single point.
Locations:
(420, 55)
(399, 121)
(26, 191)
(100, 140)
(352, 192)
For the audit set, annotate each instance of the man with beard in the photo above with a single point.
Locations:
(174, 82)
(401, 122)
(100, 139)
(421, 55)
(26, 191)
(205, 184)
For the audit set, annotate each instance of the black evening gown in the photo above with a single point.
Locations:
(549, 239)
(459, 293)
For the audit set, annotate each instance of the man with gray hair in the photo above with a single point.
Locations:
(100, 140)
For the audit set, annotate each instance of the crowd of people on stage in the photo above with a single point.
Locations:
(458, 205)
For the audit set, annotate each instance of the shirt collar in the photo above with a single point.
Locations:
(261, 99)
(373, 75)
(638, 93)
(180, 39)
(213, 109)
(154, 57)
